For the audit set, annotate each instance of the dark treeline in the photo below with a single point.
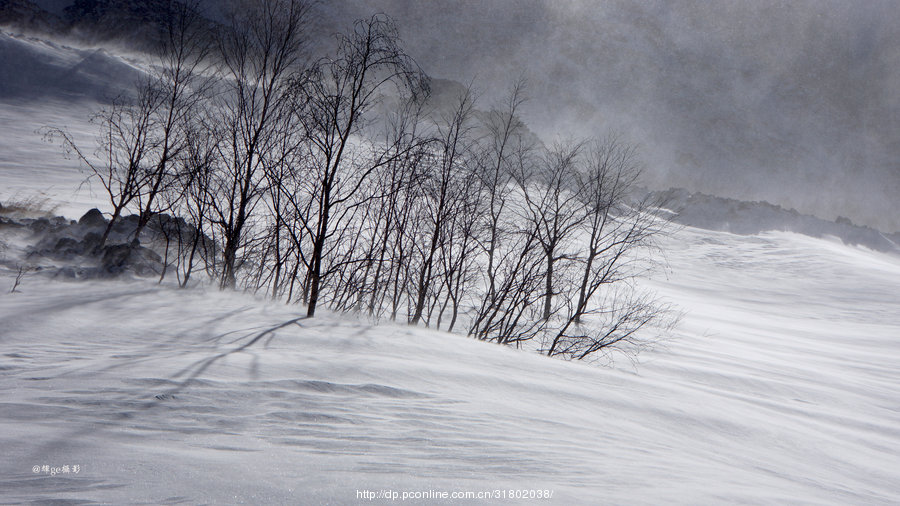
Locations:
(336, 181)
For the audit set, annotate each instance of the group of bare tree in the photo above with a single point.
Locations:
(336, 181)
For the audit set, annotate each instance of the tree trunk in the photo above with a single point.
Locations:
(548, 297)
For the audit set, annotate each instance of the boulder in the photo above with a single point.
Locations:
(93, 218)
(67, 247)
(119, 258)
(115, 258)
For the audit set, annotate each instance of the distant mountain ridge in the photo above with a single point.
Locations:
(24, 14)
(34, 68)
(709, 212)
(41, 69)
(137, 23)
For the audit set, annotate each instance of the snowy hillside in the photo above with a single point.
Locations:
(740, 217)
(52, 84)
(779, 387)
(35, 68)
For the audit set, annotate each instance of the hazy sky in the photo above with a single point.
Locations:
(796, 102)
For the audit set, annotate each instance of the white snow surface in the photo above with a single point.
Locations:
(50, 84)
(34, 170)
(779, 386)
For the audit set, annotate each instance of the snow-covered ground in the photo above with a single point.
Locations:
(52, 84)
(779, 386)
(33, 169)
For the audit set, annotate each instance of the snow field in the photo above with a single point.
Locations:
(778, 387)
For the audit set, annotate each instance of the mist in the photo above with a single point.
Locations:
(791, 102)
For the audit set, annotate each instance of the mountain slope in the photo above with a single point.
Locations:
(741, 217)
(778, 387)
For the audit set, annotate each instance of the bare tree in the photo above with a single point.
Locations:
(552, 209)
(140, 134)
(444, 192)
(396, 227)
(262, 46)
(278, 181)
(125, 147)
(609, 311)
(512, 263)
(178, 75)
(460, 262)
(505, 138)
(191, 198)
(377, 242)
(21, 271)
(332, 101)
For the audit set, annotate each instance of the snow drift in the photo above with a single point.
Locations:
(35, 68)
(747, 218)
(779, 387)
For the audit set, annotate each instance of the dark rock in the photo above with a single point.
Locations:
(118, 258)
(126, 224)
(93, 218)
(59, 248)
(91, 240)
(67, 246)
(115, 258)
(9, 223)
(146, 263)
(39, 225)
(74, 272)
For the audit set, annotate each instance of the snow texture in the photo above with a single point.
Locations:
(778, 387)
(740, 217)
